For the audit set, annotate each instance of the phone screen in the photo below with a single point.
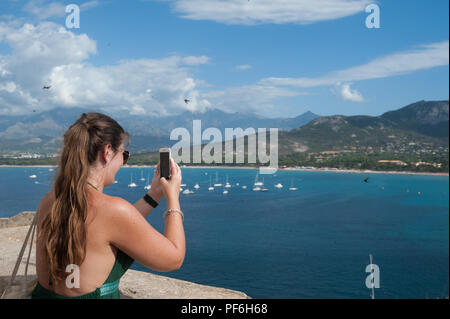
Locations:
(164, 155)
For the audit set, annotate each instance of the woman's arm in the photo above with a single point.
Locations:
(143, 207)
(130, 232)
(133, 235)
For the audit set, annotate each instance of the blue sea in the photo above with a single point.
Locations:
(310, 243)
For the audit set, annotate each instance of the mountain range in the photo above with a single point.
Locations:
(421, 125)
(42, 132)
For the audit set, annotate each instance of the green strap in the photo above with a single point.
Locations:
(109, 288)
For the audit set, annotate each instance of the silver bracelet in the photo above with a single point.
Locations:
(173, 211)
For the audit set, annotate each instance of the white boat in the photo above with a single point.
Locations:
(237, 184)
(244, 187)
(217, 184)
(210, 188)
(148, 185)
(196, 186)
(256, 181)
(227, 185)
(187, 191)
(264, 189)
(50, 169)
(372, 296)
(142, 176)
(132, 184)
(292, 188)
(33, 176)
(225, 192)
(115, 182)
(279, 185)
(256, 189)
(183, 185)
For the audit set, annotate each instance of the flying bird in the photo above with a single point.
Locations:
(187, 101)
(46, 87)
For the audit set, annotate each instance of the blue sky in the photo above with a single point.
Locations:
(274, 58)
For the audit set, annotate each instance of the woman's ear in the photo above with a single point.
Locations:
(107, 154)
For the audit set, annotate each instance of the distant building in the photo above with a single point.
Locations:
(398, 162)
(438, 165)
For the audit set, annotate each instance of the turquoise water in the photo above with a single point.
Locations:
(310, 243)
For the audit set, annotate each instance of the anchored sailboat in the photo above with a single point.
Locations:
(227, 185)
(292, 188)
(148, 185)
(210, 188)
(132, 184)
(256, 181)
(373, 290)
(217, 184)
(264, 189)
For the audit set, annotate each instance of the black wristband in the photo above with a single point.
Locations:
(150, 200)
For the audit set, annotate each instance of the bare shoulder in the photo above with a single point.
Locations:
(117, 204)
(119, 210)
(45, 204)
(48, 199)
(118, 217)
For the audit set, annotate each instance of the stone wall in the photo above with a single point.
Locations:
(134, 284)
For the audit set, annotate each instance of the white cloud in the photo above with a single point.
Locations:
(48, 54)
(345, 92)
(423, 57)
(9, 87)
(3, 70)
(267, 11)
(196, 60)
(44, 9)
(158, 86)
(243, 67)
(249, 98)
(89, 5)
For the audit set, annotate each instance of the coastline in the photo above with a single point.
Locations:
(317, 169)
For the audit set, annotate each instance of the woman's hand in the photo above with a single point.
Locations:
(171, 187)
(156, 191)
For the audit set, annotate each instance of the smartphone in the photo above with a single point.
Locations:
(164, 165)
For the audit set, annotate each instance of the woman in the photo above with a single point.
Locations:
(87, 239)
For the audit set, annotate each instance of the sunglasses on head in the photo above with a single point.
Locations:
(126, 157)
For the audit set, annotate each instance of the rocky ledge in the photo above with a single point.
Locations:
(134, 284)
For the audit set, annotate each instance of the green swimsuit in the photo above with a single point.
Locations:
(109, 289)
